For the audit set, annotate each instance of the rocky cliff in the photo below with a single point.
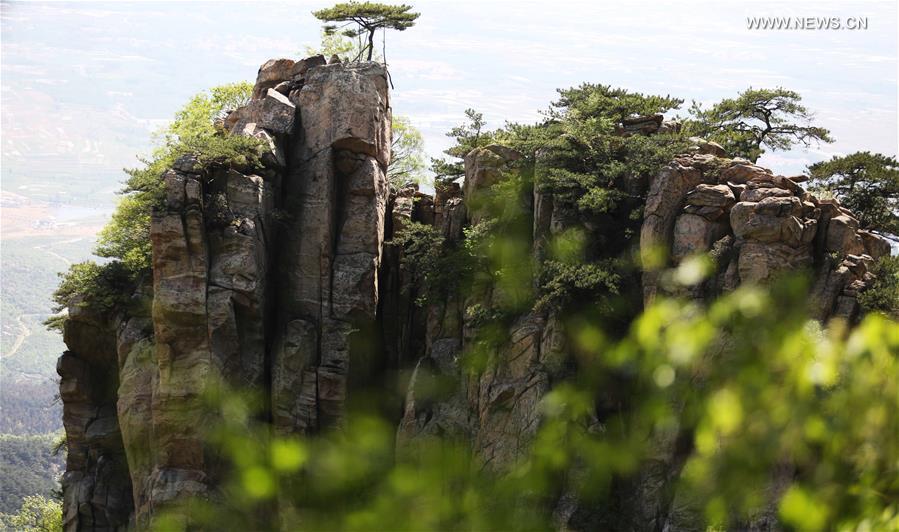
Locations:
(285, 282)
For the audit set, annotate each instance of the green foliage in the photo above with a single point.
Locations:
(337, 44)
(28, 467)
(883, 294)
(127, 235)
(480, 268)
(597, 177)
(37, 514)
(126, 238)
(101, 288)
(31, 406)
(749, 386)
(435, 267)
(864, 182)
(737, 390)
(757, 119)
(194, 132)
(468, 136)
(498, 247)
(583, 161)
(196, 119)
(406, 154)
(591, 103)
(562, 283)
(364, 19)
(581, 190)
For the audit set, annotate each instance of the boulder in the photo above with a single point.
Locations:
(762, 261)
(276, 113)
(711, 196)
(842, 236)
(188, 163)
(694, 234)
(875, 245)
(742, 172)
(284, 87)
(274, 157)
(640, 125)
(788, 183)
(764, 221)
(756, 193)
(300, 67)
(271, 73)
(346, 106)
(708, 147)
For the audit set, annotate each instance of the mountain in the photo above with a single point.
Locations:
(301, 283)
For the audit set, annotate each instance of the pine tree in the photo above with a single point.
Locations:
(757, 119)
(368, 18)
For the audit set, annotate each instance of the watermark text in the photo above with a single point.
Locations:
(807, 23)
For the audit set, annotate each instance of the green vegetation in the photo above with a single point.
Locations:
(757, 119)
(883, 294)
(332, 44)
(582, 160)
(28, 466)
(424, 257)
(722, 394)
(467, 136)
(37, 514)
(30, 403)
(746, 392)
(366, 18)
(406, 154)
(598, 176)
(866, 183)
(126, 238)
(28, 380)
(783, 396)
(563, 283)
(194, 131)
(100, 288)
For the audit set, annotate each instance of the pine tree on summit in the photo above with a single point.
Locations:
(368, 17)
(755, 120)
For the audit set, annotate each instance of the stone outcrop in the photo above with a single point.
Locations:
(96, 485)
(497, 410)
(261, 280)
(756, 225)
(284, 280)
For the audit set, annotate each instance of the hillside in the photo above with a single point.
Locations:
(29, 466)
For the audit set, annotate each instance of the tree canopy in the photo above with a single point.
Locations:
(37, 514)
(126, 237)
(368, 18)
(406, 154)
(469, 135)
(757, 119)
(866, 183)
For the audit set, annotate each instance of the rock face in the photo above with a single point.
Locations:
(497, 410)
(332, 248)
(96, 485)
(756, 225)
(261, 280)
(284, 281)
